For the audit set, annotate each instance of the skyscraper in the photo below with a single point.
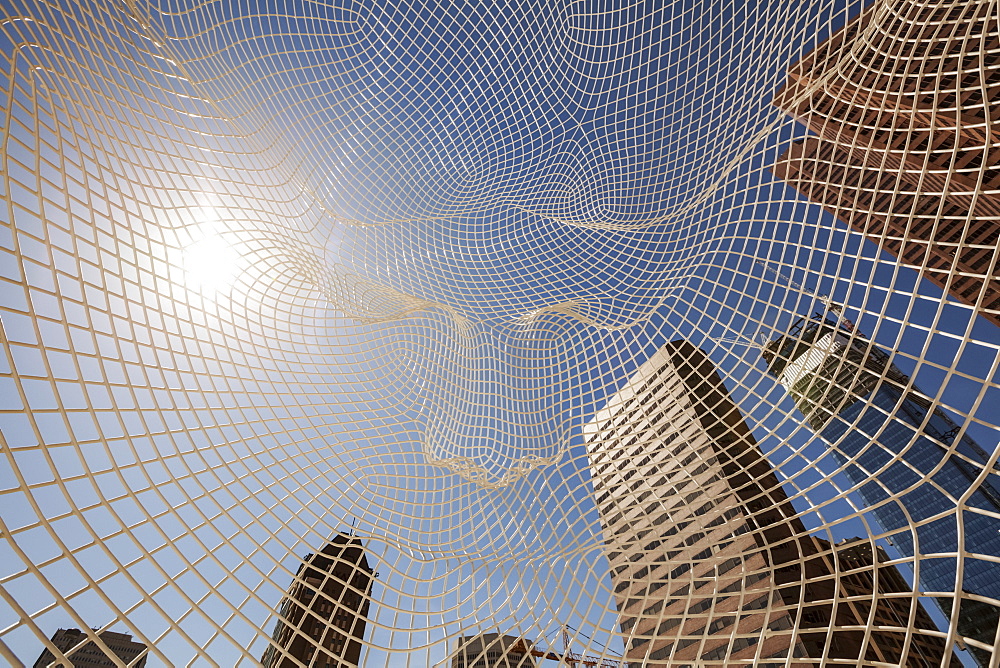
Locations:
(322, 617)
(708, 560)
(90, 655)
(905, 460)
(490, 650)
(904, 102)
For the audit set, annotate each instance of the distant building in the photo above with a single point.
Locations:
(90, 655)
(903, 101)
(489, 650)
(323, 615)
(905, 460)
(708, 562)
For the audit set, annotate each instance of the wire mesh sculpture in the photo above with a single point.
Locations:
(380, 279)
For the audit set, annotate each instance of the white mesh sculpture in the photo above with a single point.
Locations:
(273, 275)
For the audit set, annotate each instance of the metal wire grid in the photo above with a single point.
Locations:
(273, 272)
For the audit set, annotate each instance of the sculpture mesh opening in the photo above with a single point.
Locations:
(404, 334)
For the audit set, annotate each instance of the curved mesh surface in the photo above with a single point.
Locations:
(664, 331)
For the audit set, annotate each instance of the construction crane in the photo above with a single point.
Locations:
(832, 306)
(567, 657)
(827, 302)
(823, 299)
(740, 342)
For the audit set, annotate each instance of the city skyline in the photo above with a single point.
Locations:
(726, 530)
(273, 273)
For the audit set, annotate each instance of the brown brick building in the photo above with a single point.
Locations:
(84, 653)
(708, 561)
(904, 106)
(323, 615)
(853, 589)
(490, 650)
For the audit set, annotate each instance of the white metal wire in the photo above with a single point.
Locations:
(274, 271)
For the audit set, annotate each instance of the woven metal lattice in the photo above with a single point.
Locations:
(665, 333)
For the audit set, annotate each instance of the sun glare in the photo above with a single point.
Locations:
(210, 264)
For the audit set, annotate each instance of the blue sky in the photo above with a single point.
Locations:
(445, 220)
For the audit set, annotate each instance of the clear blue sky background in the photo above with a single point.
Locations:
(514, 159)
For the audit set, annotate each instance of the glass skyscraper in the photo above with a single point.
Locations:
(904, 460)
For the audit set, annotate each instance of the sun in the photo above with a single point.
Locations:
(210, 264)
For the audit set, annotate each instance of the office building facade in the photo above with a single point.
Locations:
(490, 650)
(870, 594)
(906, 461)
(132, 653)
(709, 563)
(322, 617)
(904, 107)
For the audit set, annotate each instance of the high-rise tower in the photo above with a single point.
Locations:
(323, 615)
(904, 105)
(905, 460)
(708, 561)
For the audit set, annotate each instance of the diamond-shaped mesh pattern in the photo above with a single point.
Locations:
(667, 330)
